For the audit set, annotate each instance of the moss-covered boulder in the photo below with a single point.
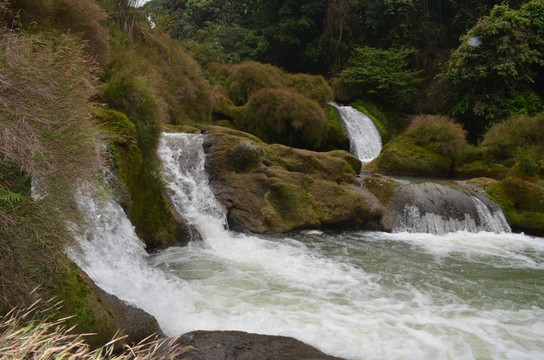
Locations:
(405, 158)
(480, 168)
(145, 203)
(276, 188)
(522, 200)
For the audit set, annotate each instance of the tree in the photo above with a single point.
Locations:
(492, 67)
(383, 75)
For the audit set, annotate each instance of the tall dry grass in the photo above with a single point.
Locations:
(25, 334)
(45, 84)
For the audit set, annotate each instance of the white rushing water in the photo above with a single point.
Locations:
(358, 295)
(364, 138)
(414, 220)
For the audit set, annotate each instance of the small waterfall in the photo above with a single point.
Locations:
(438, 209)
(364, 138)
(187, 182)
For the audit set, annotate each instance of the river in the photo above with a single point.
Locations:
(357, 295)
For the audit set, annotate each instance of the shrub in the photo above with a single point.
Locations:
(439, 134)
(250, 76)
(282, 116)
(517, 141)
(503, 139)
(46, 128)
(314, 87)
(176, 77)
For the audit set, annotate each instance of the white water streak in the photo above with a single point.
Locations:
(413, 220)
(364, 138)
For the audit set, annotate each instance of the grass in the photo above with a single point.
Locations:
(25, 334)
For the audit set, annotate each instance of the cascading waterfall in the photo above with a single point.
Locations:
(458, 295)
(438, 209)
(187, 183)
(364, 138)
(415, 221)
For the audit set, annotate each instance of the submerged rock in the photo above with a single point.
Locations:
(223, 345)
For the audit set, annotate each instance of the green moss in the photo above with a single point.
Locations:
(522, 201)
(480, 168)
(380, 125)
(405, 158)
(336, 137)
(381, 187)
(149, 210)
(293, 204)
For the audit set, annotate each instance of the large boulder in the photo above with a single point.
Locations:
(406, 158)
(223, 345)
(276, 188)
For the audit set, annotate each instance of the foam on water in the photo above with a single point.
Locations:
(364, 138)
(356, 295)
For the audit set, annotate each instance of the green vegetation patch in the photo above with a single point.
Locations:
(404, 157)
(293, 204)
(285, 117)
(522, 201)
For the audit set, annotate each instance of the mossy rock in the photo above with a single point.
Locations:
(148, 209)
(286, 189)
(481, 168)
(381, 187)
(291, 206)
(97, 312)
(522, 200)
(405, 158)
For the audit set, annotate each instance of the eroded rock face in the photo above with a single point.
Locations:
(223, 345)
(277, 188)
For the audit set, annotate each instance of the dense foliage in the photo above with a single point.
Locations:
(495, 68)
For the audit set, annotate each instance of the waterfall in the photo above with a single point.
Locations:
(187, 182)
(346, 293)
(438, 209)
(364, 138)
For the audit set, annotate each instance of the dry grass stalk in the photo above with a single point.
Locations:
(24, 335)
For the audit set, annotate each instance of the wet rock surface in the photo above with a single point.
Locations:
(271, 187)
(238, 345)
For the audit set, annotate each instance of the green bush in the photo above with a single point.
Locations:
(503, 139)
(314, 87)
(285, 117)
(132, 94)
(439, 134)
(176, 77)
(250, 76)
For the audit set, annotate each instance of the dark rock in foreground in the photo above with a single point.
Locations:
(218, 345)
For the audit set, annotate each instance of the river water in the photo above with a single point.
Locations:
(357, 295)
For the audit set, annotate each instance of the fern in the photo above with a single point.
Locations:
(8, 197)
